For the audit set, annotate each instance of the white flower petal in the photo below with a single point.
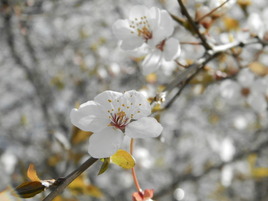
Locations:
(138, 11)
(230, 90)
(140, 107)
(162, 26)
(245, 77)
(257, 102)
(107, 99)
(143, 128)
(151, 62)
(123, 32)
(105, 143)
(89, 117)
(172, 49)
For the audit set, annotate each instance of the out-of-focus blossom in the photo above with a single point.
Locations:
(111, 115)
(258, 24)
(199, 16)
(221, 5)
(167, 50)
(145, 195)
(247, 86)
(152, 27)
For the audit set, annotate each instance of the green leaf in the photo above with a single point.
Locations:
(123, 159)
(105, 165)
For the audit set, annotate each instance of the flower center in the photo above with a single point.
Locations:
(161, 45)
(142, 28)
(119, 120)
(245, 91)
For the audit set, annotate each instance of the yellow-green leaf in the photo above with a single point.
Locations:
(105, 165)
(29, 189)
(123, 159)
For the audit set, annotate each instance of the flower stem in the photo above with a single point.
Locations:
(136, 182)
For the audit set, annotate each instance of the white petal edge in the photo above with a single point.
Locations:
(107, 99)
(140, 106)
(172, 49)
(144, 128)
(138, 11)
(89, 117)
(105, 143)
(151, 62)
(129, 40)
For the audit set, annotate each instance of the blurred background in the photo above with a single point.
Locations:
(57, 54)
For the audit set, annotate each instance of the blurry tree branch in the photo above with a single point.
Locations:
(61, 183)
(33, 75)
(212, 11)
(190, 177)
(194, 25)
(184, 78)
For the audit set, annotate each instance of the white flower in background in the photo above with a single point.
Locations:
(258, 23)
(200, 13)
(111, 115)
(167, 50)
(152, 27)
(253, 89)
(223, 9)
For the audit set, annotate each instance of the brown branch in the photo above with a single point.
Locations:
(194, 26)
(61, 183)
(193, 69)
(200, 63)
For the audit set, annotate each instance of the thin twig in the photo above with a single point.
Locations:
(194, 26)
(212, 11)
(62, 183)
(172, 100)
(200, 63)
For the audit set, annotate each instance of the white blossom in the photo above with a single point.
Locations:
(257, 23)
(152, 27)
(254, 90)
(111, 116)
(221, 5)
(167, 50)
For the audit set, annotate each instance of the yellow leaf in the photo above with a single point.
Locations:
(79, 136)
(244, 2)
(93, 191)
(105, 165)
(230, 23)
(151, 78)
(157, 107)
(258, 68)
(29, 189)
(8, 195)
(80, 186)
(53, 160)
(31, 173)
(60, 198)
(123, 159)
(260, 172)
